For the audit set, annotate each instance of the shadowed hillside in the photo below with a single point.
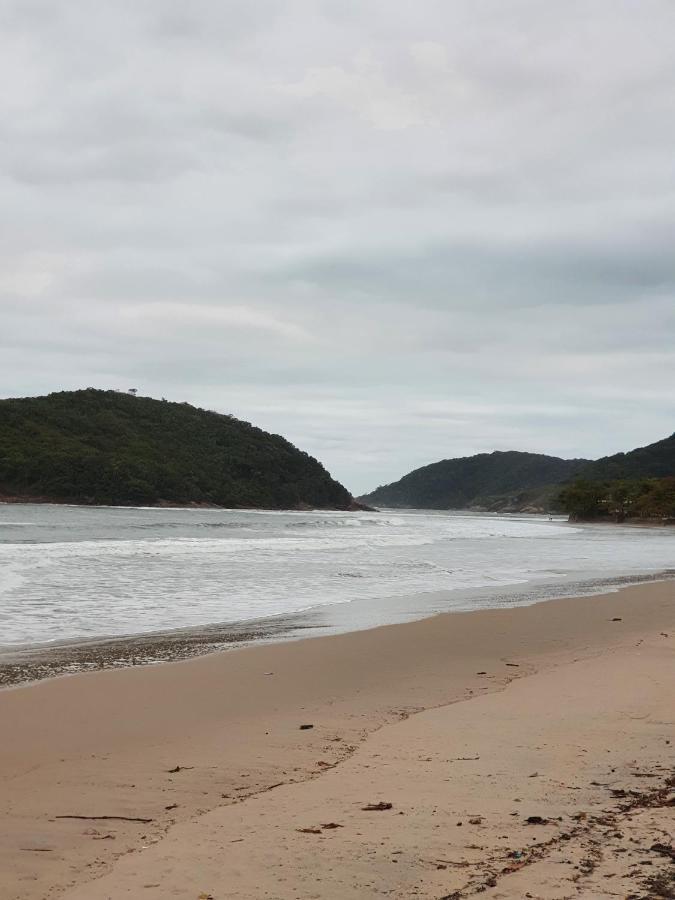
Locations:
(635, 485)
(515, 481)
(488, 480)
(106, 447)
(653, 461)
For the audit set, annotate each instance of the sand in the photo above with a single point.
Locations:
(573, 709)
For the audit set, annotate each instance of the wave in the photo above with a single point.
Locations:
(152, 571)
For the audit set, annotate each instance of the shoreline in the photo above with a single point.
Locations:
(9, 500)
(214, 746)
(27, 664)
(355, 506)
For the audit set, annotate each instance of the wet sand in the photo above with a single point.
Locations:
(20, 665)
(550, 711)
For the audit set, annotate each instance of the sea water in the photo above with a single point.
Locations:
(69, 573)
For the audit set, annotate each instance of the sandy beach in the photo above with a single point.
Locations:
(525, 752)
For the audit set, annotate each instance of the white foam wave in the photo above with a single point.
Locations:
(81, 572)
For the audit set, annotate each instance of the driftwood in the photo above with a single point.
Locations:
(116, 818)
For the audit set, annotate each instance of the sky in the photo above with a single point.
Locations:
(393, 232)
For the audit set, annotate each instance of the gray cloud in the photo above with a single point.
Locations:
(391, 232)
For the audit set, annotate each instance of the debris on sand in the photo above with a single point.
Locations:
(664, 850)
(116, 818)
(376, 807)
(661, 885)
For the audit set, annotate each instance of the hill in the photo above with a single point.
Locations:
(638, 484)
(498, 480)
(626, 499)
(653, 461)
(106, 447)
(514, 481)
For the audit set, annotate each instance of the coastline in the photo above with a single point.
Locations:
(354, 506)
(27, 500)
(214, 744)
(27, 664)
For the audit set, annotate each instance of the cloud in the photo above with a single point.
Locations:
(391, 232)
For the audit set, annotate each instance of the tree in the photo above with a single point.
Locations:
(585, 500)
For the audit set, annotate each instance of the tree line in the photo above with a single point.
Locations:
(639, 498)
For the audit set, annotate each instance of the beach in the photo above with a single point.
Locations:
(337, 451)
(202, 778)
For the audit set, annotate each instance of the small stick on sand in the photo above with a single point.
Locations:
(116, 818)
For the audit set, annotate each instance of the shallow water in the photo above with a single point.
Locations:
(69, 573)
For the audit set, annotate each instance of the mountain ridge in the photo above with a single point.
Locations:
(655, 460)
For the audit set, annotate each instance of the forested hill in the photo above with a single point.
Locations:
(488, 481)
(653, 461)
(639, 484)
(107, 447)
(515, 481)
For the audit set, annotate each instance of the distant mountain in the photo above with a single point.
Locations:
(639, 484)
(496, 480)
(515, 481)
(653, 461)
(620, 501)
(106, 447)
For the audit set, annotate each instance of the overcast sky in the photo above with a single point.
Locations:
(393, 232)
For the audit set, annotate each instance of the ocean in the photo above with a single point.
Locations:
(71, 573)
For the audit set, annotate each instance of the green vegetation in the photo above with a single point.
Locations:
(653, 461)
(516, 481)
(499, 480)
(106, 447)
(647, 498)
(639, 484)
